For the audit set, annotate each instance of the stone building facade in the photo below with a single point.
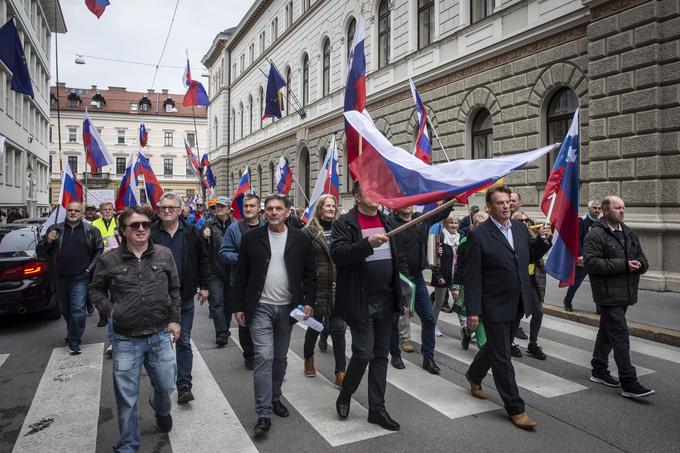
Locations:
(496, 77)
(117, 114)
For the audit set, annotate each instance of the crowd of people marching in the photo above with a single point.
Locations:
(144, 271)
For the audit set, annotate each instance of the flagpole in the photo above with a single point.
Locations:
(198, 151)
(440, 142)
(56, 65)
(420, 218)
(299, 109)
(301, 189)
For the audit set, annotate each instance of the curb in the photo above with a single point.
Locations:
(659, 334)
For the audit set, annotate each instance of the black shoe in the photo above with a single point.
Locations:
(221, 340)
(185, 396)
(605, 379)
(635, 390)
(431, 366)
(515, 352)
(249, 363)
(465, 338)
(90, 308)
(397, 362)
(279, 409)
(342, 404)
(262, 427)
(521, 334)
(536, 351)
(383, 419)
(568, 307)
(103, 320)
(164, 423)
(75, 350)
(323, 343)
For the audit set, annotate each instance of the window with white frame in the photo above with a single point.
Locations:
(384, 31)
(120, 136)
(168, 138)
(480, 9)
(72, 134)
(425, 23)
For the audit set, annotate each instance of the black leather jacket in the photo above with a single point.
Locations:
(51, 252)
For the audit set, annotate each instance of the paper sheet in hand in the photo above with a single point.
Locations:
(312, 323)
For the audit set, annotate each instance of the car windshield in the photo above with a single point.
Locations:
(16, 241)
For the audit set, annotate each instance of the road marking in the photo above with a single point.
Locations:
(533, 379)
(65, 410)
(590, 333)
(208, 423)
(314, 399)
(575, 356)
(3, 357)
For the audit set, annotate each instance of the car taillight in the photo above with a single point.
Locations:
(27, 270)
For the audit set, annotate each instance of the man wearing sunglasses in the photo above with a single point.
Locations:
(137, 286)
(190, 253)
(198, 217)
(72, 250)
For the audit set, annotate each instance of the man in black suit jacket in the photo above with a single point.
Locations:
(498, 290)
(275, 273)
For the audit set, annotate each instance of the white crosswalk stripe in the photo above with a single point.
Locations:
(533, 379)
(65, 409)
(315, 399)
(3, 357)
(208, 423)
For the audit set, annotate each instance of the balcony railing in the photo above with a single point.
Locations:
(96, 176)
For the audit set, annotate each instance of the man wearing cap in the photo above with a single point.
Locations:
(198, 216)
(219, 286)
(91, 213)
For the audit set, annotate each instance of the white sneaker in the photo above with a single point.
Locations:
(437, 332)
(109, 351)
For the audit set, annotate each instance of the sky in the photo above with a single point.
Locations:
(135, 30)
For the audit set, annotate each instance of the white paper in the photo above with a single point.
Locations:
(310, 322)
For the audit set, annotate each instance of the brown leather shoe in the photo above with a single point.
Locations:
(310, 371)
(406, 346)
(523, 421)
(339, 377)
(476, 390)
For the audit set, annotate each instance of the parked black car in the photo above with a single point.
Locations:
(24, 284)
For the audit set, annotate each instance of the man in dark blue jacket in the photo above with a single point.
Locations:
(585, 223)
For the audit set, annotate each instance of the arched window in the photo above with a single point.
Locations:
(322, 156)
(261, 107)
(480, 9)
(271, 177)
(351, 28)
(233, 125)
(482, 135)
(425, 23)
(240, 112)
(304, 172)
(288, 76)
(305, 80)
(216, 126)
(326, 68)
(560, 112)
(259, 180)
(383, 34)
(250, 114)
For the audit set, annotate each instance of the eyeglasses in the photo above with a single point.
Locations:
(526, 220)
(167, 208)
(73, 210)
(200, 204)
(135, 225)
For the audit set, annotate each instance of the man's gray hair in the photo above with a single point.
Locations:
(593, 202)
(171, 196)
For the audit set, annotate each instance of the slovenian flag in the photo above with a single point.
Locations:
(423, 148)
(186, 77)
(71, 188)
(97, 6)
(355, 91)
(283, 177)
(327, 182)
(242, 189)
(153, 188)
(207, 171)
(193, 160)
(560, 205)
(143, 135)
(127, 192)
(95, 152)
(396, 179)
(274, 97)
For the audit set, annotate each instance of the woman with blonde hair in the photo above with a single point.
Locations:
(319, 229)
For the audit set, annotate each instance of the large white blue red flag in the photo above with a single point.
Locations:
(396, 179)
(241, 191)
(355, 91)
(186, 77)
(560, 205)
(193, 160)
(423, 147)
(71, 188)
(153, 188)
(127, 192)
(283, 178)
(143, 135)
(95, 151)
(327, 182)
(208, 174)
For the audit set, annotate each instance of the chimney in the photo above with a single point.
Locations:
(94, 87)
(150, 91)
(164, 91)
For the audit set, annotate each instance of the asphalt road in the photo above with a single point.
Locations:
(54, 402)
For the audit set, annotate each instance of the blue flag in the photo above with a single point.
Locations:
(274, 97)
(12, 54)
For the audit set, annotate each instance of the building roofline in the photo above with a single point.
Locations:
(248, 20)
(219, 42)
(54, 15)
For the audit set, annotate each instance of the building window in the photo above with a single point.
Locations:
(326, 68)
(120, 165)
(288, 76)
(144, 104)
(559, 115)
(305, 5)
(189, 168)
(191, 138)
(305, 80)
(251, 52)
(240, 112)
(250, 114)
(121, 136)
(50, 134)
(167, 138)
(261, 101)
(289, 14)
(167, 167)
(233, 71)
(482, 135)
(191, 193)
(242, 59)
(425, 23)
(271, 178)
(350, 35)
(133, 106)
(73, 163)
(50, 163)
(275, 29)
(304, 171)
(233, 125)
(261, 43)
(259, 180)
(216, 126)
(72, 134)
(481, 9)
(383, 34)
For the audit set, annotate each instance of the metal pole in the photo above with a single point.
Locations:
(200, 166)
(440, 142)
(56, 65)
(419, 219)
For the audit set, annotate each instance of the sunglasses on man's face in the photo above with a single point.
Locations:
(135, 225)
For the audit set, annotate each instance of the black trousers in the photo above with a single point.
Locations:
(370, 346)
(337, 328)
(244, 338)
(495, 355)
(613, 334)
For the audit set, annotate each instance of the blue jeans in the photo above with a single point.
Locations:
(185, 358)
(218, 308)
(424, 311)
(72, 298)
(270, 329)
(129, 353)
